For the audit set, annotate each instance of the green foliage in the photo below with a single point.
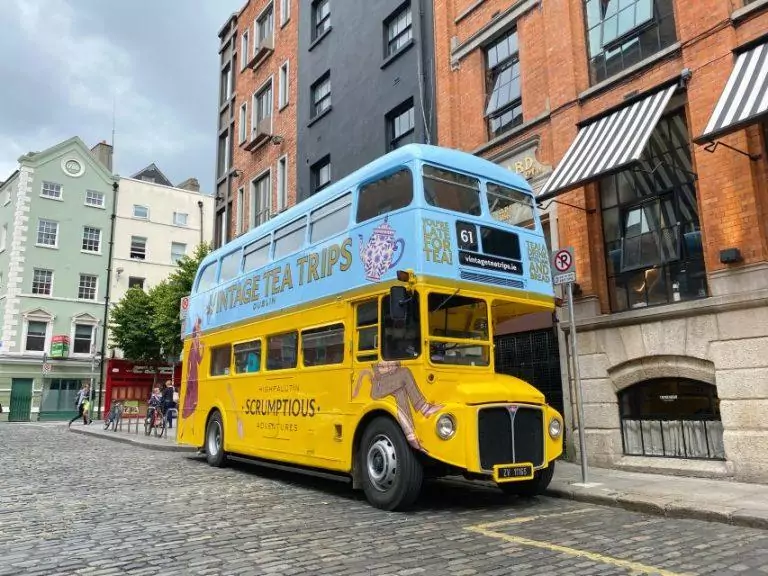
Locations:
(131, 324)
(146, 326)
(166, 301)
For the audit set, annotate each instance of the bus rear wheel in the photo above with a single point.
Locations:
(530, 488)
(391, 474)
(214, 441)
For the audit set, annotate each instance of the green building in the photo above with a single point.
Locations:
(55, 227)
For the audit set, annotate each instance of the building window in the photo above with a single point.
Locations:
(321, 94)
(399, 30)
(138, 248)
(262, 109)
(261, 199)
(47, 233)
(42, 282)
(243, 128)
(180, 218)
(222, 164)
(178, 251)
(265, 25)
(91, 239)
(621, 33)
(672, 418)
(400, 125)
(244, 49)
(283, 85)
(36, 332)
(285, 11)
(239, 211)
(87, 287)
(136, 282)
(94, 198)
(651, 224)
(51, 190)
(83, 339)
(282, 183)
(504, 109)
(321, 18)
(140, 212)
(225, 90)
(321, 174)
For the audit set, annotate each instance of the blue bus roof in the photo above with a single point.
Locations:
(448, 157)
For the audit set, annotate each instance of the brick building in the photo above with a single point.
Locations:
(256, 154)
(641, 125)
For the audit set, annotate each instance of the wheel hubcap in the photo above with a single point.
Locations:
(382, 463)
(214, 438)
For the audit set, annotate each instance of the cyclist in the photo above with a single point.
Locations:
(155, 403)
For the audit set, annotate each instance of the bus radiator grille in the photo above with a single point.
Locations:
(486, 279)
(508, 436)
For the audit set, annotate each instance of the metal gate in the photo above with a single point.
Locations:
(21, 400)
(534, 357)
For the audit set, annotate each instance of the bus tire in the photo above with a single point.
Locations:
(390, 472)
(531, 488)
(214, 441)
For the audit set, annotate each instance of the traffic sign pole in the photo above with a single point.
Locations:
(564, 272)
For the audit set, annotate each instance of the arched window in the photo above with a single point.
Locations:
(673, 418)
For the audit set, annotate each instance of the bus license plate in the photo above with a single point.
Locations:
(513, 472)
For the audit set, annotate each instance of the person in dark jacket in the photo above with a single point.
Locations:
(168, 403)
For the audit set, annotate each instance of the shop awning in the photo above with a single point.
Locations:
(745, 97)
(608, 144)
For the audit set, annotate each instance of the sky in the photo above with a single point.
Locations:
(67, 64)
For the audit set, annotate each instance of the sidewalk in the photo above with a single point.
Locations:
(674, 496)
(723, 501)
(166, 443)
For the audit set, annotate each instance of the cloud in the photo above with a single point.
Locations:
(79, 61)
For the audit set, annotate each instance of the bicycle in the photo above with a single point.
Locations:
(114, 416)
(155, 419)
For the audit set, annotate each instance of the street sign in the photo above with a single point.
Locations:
(184, 307)
(563, 266)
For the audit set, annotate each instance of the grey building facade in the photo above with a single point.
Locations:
(366, 85)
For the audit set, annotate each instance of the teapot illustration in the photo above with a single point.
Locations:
(377, 254)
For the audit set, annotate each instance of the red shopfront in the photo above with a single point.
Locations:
(128, 381)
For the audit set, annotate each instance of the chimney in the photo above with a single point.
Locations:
(190, 184)
(103, 153)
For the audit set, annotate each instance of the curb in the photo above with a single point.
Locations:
(666, 507)
(137, 442)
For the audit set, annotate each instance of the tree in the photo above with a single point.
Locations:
(131, 325)
(166, 301)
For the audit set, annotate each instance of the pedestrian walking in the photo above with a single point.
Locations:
(83, 403)
(169, 395)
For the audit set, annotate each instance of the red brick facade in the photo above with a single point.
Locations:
(249, 164)
(732, 190)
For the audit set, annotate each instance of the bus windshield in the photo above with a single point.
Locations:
(452, 321)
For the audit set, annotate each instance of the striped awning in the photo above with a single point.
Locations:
(745, 97)
(608, 144)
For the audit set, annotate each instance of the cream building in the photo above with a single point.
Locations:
(156, 224)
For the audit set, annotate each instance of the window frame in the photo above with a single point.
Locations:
(245, 42)
(177, 220)
(296, 225)
(493, 75)
(324, 23)
(285, 12)
(315, 172)
(48, 282)
(175, 257)
(366, 185)
(394, 139)
(295, 334)
(86, 239)
(90, 338)
(133, 279)
(140, 206)
(243, 128)
(318, 330)
(52, 186)
(254, 342)
(315, 102)
(284, 85)
(259, 193)
(391, 48)
(211, 364)
(131, 250)
(96, 193)
(48, 323)
(41, 222)
(80, 287)
(327, 211)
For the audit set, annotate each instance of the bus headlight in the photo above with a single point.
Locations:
(446, 426)
(555, 428)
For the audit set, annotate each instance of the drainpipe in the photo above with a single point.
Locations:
(104, 330)
(200, 205)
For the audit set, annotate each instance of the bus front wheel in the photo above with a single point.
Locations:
(530, 488)
(214, 441)
(391, 473)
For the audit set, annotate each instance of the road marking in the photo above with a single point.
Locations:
(485, 530)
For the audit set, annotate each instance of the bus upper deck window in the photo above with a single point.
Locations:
(256, 255)
(452, 191)
(511, 206)
(385, 195)
(230, 266)
(208, 277)
(333, 218)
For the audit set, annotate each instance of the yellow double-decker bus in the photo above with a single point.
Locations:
(353, 333)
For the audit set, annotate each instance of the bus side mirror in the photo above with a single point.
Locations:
(398, 301)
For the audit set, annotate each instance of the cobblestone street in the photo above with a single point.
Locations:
(74, 504)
